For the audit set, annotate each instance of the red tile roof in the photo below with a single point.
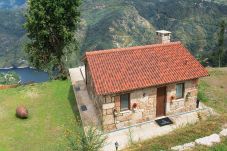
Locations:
(124, 69)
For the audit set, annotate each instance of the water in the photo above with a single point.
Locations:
(29, 74)
(12, 4)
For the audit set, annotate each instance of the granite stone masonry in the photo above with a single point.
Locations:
(145, 99)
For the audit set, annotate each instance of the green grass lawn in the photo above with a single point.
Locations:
(51, 108)
(214, 89)
(213, 92)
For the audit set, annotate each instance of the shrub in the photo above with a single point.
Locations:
(92, 141)
(9, 78)
(201, 94)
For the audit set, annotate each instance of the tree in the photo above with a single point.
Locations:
(50, 26)
(221, 35)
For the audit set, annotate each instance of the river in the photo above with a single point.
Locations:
(29, 74)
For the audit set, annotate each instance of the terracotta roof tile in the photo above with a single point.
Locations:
(124, 69)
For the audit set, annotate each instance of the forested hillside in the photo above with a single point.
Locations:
(11, 37)
(123, 23)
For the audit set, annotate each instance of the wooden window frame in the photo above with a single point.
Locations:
(129, 102)
(183, 90)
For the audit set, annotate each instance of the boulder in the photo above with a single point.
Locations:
(184, 147)
(208, 140)
(178, 148)
(223, 133)
(189, 145)
(22, 112)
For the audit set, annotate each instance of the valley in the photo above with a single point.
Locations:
(123, 23)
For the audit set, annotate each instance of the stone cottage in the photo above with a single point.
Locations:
(138, 84)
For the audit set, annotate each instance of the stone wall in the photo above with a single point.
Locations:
(91, 91)
(187, 103)
(146, 105)
(145, 110)
(8, 86)
(108, 119)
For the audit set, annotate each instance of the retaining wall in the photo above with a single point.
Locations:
(8, 86)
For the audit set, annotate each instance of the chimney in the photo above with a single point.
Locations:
(163, 36)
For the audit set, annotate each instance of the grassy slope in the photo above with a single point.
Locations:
(50, 114)
(215, 88)
(213, 92)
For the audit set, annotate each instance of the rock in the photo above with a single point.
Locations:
(225, 125)
(223, 133)
(184, 147)
(22, 112)
(177, 148)
(189, 145)
(208, 140)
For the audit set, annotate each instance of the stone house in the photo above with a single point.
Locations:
(138, 84)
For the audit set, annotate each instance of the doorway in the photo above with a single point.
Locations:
(161, 102)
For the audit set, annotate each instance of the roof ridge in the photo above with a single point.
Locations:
(130, 48)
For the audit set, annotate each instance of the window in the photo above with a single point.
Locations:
(180, 90)
(125, 102)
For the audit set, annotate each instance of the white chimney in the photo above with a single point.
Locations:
(163, 36)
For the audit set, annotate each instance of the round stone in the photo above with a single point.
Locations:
(22, 112)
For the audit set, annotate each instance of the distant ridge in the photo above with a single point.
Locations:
(124, 23)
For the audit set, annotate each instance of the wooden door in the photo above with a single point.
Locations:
(161, 101)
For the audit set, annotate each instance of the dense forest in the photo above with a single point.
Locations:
(12, 36)
(122, 23)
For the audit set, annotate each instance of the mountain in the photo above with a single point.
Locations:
(109, 24)
(192, 22)
(12, 36)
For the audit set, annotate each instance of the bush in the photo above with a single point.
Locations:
(201, 94)
(9, 78)
(93, 141)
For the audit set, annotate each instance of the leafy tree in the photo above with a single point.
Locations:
(217, 58)
(221, 43)
(50, 26)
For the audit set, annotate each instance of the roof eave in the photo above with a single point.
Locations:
(125, 91)
(83, 58)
